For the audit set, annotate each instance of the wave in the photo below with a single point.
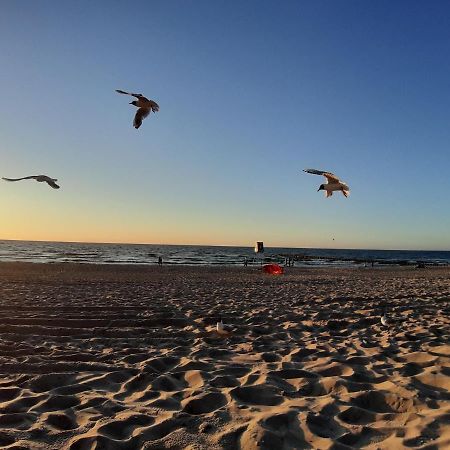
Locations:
(210, 255)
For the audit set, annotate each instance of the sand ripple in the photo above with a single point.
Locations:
(127, 358)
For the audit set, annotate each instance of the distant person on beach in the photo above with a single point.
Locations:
(159, 260)
(245, 262)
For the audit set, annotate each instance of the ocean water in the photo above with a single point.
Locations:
(49, 252)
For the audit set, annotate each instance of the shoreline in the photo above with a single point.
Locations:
(213, 255)
(206, 266)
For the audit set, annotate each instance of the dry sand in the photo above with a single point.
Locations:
(109, 357)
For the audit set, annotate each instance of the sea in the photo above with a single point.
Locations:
(90, 253)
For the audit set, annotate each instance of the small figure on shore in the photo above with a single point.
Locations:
(289, 261)
(159, 260)
(245, 262)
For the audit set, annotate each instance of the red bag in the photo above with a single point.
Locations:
(272, 269)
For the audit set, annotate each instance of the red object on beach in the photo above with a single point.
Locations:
(272, 269)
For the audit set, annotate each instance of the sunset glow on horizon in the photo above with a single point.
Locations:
(250, 94)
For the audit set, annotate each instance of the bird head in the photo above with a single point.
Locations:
(321, 188)
(134, 103)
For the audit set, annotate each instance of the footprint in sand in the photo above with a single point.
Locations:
(205, 403)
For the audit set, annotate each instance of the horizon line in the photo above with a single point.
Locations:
(222, 245)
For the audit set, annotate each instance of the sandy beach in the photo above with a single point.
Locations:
(127, 357)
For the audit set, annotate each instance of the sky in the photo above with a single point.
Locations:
(250, 93)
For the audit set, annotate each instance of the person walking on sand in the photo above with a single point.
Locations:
(159, 260)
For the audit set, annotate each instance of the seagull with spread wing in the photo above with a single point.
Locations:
(333, 183)
(38, 178)
(144, 105)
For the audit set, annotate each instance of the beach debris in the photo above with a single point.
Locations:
(272, 269)
(38, 178)
(333, 183)
(144, 105)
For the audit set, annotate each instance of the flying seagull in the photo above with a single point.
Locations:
(144, 105)
(38, 178)
(333, 183)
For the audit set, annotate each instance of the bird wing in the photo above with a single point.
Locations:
(331, 177)
(129, 93)
(51, 183)
(141, 114)
(18, 179)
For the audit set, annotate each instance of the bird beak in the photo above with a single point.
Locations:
(130, 103)
(318, 190)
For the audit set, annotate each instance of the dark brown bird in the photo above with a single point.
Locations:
(144, 105)
(38, 178)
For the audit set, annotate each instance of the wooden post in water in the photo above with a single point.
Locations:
(259, 250)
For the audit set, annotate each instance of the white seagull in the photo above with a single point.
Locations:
(333, 183)
(38, 178)
(223, 329)
(144, 105)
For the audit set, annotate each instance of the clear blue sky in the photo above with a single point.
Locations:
(250, 93)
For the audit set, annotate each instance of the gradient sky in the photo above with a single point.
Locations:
(250, 93)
